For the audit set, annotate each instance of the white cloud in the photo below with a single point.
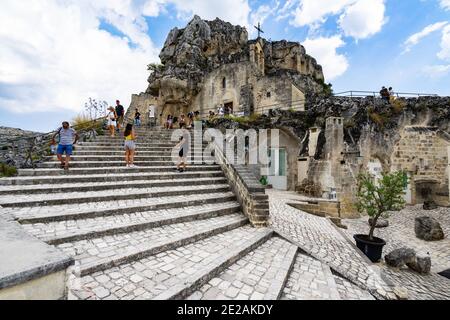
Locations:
(417, 37)
(54, 56)
(444, 54)
(357, 18)
(445, 4)
(437, 71)
(363, 19)
(310, 12)
(325, 51)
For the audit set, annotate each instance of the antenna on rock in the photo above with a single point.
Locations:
(259, 29)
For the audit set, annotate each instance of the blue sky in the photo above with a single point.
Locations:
(55, 54)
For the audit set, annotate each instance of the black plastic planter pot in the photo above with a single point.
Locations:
(371, 248)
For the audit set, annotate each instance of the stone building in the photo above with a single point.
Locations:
(325, 142)
(210, 64)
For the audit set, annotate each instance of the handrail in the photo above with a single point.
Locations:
(32, 149)
(357, 93)
(40, 135)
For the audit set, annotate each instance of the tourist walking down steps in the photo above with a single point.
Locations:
(130, 145)
(111, 117)
(66, 142)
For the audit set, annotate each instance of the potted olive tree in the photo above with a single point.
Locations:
(377, 198)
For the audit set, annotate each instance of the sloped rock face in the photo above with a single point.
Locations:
(190, 53)
(428, 229)
(400, 257)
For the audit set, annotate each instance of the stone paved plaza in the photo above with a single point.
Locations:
(154, 233)
(327, 243)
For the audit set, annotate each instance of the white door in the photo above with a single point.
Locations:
(277, 169)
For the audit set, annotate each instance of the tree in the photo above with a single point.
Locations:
(378, 197)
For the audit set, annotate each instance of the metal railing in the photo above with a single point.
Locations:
(363, 94)
(295, 105)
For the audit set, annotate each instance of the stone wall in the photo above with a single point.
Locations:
(249, 192)
(422, 152)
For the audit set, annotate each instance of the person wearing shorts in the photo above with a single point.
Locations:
(111, 117)
(183, 147)
(130, 145)
(66, 142)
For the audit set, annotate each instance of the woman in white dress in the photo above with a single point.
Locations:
(111, 117)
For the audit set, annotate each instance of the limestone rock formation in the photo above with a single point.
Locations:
(421, 263)
(428, 229)
(400, 257)
(429, 205)
(209, 64)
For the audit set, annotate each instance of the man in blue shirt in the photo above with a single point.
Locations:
(66, 142)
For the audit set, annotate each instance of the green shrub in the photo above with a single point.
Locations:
(398, 106)
(7, 171)
(84, 122)
(377, 198)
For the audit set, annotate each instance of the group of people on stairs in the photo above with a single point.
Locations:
(115, 117)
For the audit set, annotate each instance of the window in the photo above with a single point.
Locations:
(268, 94)
(224, 83)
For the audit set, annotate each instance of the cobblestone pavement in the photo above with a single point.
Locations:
(113, 176)
(400, 233)
(103, 195)
(147, 278)
(420, 287)
(59, 229)
(107, 205)
(310, 279)
(319, 238)
(95, 185)
(254, 277)
(348, 291)
(92, 250)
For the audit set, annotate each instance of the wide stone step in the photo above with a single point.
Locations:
(98, 186)
(36, 200)
(111, 177)
(106, 252)
(93, 147)
(94, 164)
(159, 144)
(108, 170)
(310, 279)
(110, 208)
(260, 275)
(138, 152)
(138, 158)
(174, 273)
(74, 230)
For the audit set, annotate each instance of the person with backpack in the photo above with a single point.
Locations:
(67, 138)
(130, 145)
(111, 117)
(120, 111)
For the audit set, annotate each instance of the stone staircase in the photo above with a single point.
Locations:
(151, 232)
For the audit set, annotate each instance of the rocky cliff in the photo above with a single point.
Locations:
(191, 53)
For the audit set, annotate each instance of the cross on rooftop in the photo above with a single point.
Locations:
(259, 29)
